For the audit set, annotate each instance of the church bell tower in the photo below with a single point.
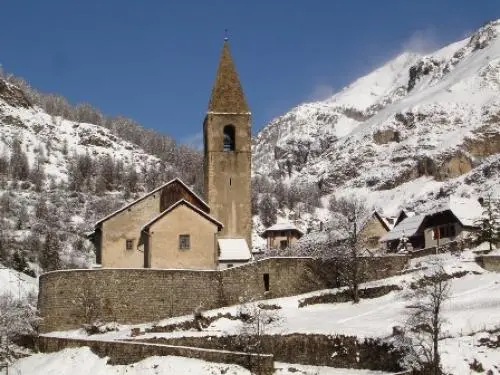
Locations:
(227, 158)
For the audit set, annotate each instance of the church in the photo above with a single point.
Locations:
(173, 227)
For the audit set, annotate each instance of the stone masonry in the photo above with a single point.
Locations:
(68, 299)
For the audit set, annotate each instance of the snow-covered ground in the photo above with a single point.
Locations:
(474, 308)
(81, 361)
(18, 285)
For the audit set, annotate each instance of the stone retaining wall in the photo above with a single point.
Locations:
(489, 262)
(68, 299)
(309, 349)
(124, 352)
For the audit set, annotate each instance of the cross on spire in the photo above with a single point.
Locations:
(226, 37)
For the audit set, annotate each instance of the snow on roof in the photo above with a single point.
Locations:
(282, 226)
(408, 227)
(233, 249)
(467, 211)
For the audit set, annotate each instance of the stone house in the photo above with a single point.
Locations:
(375, 227)
(125, 238)
(182, 236)
(281, 236)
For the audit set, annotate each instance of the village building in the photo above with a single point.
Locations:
(280, 236)
(452, 221)
(375, 227)
(409, 231)
(173, 227)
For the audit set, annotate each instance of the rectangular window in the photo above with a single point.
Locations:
(129, 244)
(283, 244)
(184, 242)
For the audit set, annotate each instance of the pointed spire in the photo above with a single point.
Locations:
(227, 94)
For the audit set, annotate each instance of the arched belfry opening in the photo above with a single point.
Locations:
(229, 141)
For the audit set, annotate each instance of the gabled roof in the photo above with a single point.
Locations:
(382, 220)
(227, 93)
(467, 211)
(407, 228)
(233, 249)
(281, 227)
(177, 204)
(203, 203)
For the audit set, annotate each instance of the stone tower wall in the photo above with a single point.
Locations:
(228, 174)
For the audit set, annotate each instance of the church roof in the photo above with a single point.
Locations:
(189, 205)
(227, 93)
(175, 180)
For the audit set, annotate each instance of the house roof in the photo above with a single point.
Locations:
(281, 227)
(467, 211)
(175, 205)
(233, 249)
(148, 194)
(408, 228)
(387, 226)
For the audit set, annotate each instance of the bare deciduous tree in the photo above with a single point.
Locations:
(17, 317)
(257, 319)
(425, 320)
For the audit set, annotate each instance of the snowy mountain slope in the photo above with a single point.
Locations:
(57, 177)
(55, 138)
(417, 124)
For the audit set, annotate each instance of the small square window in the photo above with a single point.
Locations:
(184, 242)
(129, 244)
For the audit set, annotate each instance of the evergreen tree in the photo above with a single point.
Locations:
(267, 210)
(3, 247)
(20, 264)
(49, 258)
(489, 223)
(19, 167)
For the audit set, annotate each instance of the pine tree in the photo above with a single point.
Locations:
(267, 210)
(19, 262)
(19, 167)
(49, 258)
(489, 223)
(3, 247)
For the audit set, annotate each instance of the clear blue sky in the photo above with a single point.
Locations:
(155, 61)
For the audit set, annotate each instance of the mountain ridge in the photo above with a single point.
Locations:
(431, 121)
